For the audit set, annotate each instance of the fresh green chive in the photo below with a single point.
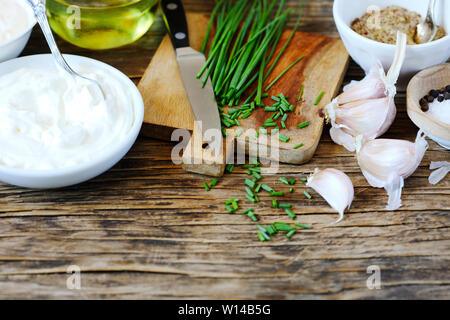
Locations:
(303, 125)
(277, 194)
(245, 212)
(250, 183)
(284, 180)
(258, 188)
(207, 188)
(290, 214)
(307, 194)
(252, 216)
(267, 188)
(301, 93)
(261, 237)
(298, 146)
(303, 226)
(275, 203)
(304, 180)
(285, 206)
(282, 226)
(290, 234)
(213, 183)
(319, 97)
(291, 190)
(284, 138)
(282, 74)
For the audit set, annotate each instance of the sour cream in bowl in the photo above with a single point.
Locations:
(56, 131)
(16, 22)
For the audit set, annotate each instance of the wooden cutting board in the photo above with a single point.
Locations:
(323, 67)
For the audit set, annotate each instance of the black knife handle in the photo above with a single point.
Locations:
(175, 18)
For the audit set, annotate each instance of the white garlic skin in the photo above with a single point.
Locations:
(386, 163)
(335, 187)
(442, 168)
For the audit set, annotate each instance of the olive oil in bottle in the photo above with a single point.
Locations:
(101, 24)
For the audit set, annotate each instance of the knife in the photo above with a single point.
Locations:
(190, 62)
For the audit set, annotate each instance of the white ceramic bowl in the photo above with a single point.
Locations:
(57, 178)
(14, 47)
(365, 51)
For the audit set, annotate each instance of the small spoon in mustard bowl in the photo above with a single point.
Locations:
(39, 10)
(427, 29)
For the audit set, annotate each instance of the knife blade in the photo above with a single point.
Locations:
(190, 62)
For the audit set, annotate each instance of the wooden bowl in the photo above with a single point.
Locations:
(420, 85)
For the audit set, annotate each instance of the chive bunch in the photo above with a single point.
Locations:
(242, 52)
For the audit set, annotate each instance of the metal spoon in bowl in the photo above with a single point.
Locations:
(41, 17)
(426, 30)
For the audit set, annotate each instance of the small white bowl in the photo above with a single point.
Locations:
(57, 178)
(14, 47)
(365, 51)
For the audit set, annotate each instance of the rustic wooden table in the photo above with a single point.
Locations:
(146, 229)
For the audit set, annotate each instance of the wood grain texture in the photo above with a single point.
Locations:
(146, 229)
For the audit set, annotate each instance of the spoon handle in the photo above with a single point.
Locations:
(41, 17)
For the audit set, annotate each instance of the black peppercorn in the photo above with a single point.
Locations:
(430, 98)
(440, 98)
(447, 96)
(434, 93)
(447, 88)
(424, 105)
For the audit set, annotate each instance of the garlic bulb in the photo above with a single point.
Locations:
(335, 187)
(443, 168)
(366, 108)
(386, 163)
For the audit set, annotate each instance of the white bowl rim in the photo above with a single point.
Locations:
(382, 44)
(134, 131)
(20, 35)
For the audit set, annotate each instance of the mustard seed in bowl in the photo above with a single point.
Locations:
(382, 25)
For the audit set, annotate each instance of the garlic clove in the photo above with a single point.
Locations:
(366, 107)
(443, 168)
(369, 118)
(386, 163)
(335, 187)
(371, 87)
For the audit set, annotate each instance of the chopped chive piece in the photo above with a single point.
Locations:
(285, 206)
(276, 116)
(276, 99)
(258, 188)
(292, 182)
(248, 211)
(207, 188)
(257, 175)
(290, 214)
(271, 230)
(252, 216)
(270, 109)
(261, 237)
(267, 188)
(263, 130)
(283, 124)
(229, 209)
(284, 180)
(250, 198)
(275, 131)
(261, 228)
(319, 97)
(270, 124)
(250, 192)
(255, 170)
(304, 226)
(303, 125)
(284, 138)
(301, 93)
(291, 190)
(282, 226)
(290, 234)
(277, 194)
(275, 203)
(307, 194)
(304, 180)
(213, 183)
(298, 146)
(230, 168)
(235, 206)
(239, 133)
(250, 183)
(265, 235)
